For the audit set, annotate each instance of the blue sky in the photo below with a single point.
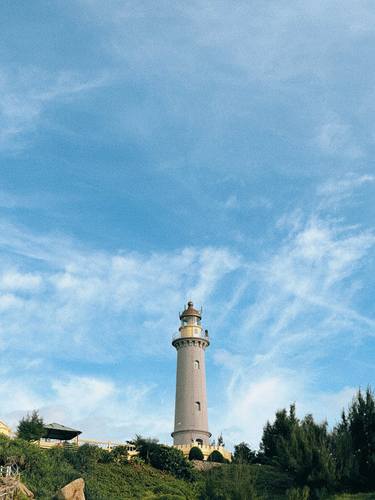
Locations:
(152, 153)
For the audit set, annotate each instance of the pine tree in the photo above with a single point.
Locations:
(31, 427)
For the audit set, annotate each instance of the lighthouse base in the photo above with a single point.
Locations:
(191, 437)
(206, 450)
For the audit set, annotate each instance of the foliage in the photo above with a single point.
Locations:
(165, 458)
(216, 456)
(133, 481)
(31, 427)
(195, 453)
(302, 448)
(44, 472)
(243, 454)
(244, 482)
(119, 455)
(298, 493)
(220, 440)
(354, 444)
(298, 460)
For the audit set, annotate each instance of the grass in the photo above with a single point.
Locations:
(135, 481)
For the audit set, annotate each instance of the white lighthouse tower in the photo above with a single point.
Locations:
(191, 422)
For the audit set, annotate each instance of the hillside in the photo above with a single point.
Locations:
(110, 476)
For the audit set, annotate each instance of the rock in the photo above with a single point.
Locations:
(204, 465)
(72, 491)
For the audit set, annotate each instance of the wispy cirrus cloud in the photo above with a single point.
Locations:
(26, 95)
(302, 313)
(274, 319)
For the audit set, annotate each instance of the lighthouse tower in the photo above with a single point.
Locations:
(191, 422)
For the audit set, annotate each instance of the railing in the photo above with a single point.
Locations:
(9, 481)
(201, 335)
(8, 470)
(109, 445)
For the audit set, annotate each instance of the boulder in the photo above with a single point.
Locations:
(72, 491)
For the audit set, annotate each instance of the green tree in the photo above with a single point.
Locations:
(243, 454)
(195, 453)
(220, 440)
(31, 427)
(354, 444)
(301, 449)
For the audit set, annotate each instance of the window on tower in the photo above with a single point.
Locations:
(196, 364)
(197, 406)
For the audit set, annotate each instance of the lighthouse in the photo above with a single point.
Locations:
(191, 420)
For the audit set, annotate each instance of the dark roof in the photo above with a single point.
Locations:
(190, 311)
(58, 431)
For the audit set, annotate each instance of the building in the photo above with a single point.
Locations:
(58, 435)
(5, 429)
(191, 419)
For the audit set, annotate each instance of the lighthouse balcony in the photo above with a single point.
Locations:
(191, 333)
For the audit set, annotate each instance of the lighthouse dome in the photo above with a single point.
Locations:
(190, 311)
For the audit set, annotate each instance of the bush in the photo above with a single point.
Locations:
(196, 453)
(119, 455)
(165, 458)
(216, 456)
(43, 471)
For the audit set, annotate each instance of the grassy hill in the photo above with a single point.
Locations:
(135, 481)
(109, 476)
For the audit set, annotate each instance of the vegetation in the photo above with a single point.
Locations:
(165, 458)
(244, 482)
(31, 427)
(299, 459)
(323, 462)
(195, 453)
(107, 477)
(216, 456)
(243, 454)
(354, 444)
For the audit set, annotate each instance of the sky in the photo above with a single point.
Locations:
(153, 153)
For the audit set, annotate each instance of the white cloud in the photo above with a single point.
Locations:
(337, 138)
(303, 311)
(62, 300)
(19, 281)
(96, 299)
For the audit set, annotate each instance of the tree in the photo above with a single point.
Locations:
(216, 456)
(31, 427)
(220, 440)
(300, 448)
(195, 453)
(243, 454)
(354, 444)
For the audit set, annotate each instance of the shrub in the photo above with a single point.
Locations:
(196, 453)
(165, 458)
(216, 456)
(119, 455)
